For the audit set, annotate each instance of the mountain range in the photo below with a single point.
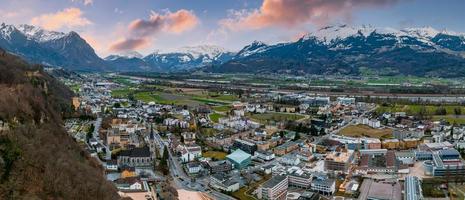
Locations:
(339, 49)
(344, 49)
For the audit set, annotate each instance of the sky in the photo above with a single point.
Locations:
(146, 26)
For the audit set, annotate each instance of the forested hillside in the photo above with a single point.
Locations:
(38, 160)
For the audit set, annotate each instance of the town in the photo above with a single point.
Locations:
(169, 140)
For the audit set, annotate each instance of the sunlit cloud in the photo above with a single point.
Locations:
(67, 18)
(141, 31)
(291, 13)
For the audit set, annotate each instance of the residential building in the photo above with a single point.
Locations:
(246, 146)
(190, 153)
(193, 167)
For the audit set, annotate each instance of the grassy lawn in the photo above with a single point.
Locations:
(215, 154)
(450, 118)
(216, 116)
(414, 109)
(265, 117)
(121, 93)
(364, 130)
(152, 96)
(208, 101)
(225, 97)
(222, 108)
(121, 80)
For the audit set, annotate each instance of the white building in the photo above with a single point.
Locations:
(190, 153)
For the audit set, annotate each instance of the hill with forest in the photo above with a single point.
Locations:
(38, 160)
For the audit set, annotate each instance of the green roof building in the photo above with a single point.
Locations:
(239, 159)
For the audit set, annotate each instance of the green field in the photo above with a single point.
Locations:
(415, 109)
(266, 117)
(121, 93)
(152, 96)
(121, 80)
(452, 119)
(221, 108)
(216, 116)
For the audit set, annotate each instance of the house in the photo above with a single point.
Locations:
(189, 137)
(129, 184)
(136, 157)
(190, 153)
(193, 167)
(223, 182)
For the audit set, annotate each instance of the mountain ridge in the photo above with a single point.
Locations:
(332, 49)
(345, 49)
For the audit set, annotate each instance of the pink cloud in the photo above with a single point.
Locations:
(177, 22)
(141, 31)
(290, 13)
(129, 44)
(69, 18)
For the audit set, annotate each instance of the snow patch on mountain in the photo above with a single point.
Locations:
(38, 34)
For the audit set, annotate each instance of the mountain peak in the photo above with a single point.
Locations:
(423, 32)
(126, 55)
(38, 34)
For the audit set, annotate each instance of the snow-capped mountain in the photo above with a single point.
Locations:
(37, 45)
(184, 58)
(38, 34)
(345, 49)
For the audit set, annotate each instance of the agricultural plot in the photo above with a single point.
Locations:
(277, 117)
(415, 109)
(366, 131)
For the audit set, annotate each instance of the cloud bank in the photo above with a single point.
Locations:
(141, 31)
(68, 18)
(291, 13)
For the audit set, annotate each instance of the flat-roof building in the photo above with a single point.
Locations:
(239, 159)
(275, 188)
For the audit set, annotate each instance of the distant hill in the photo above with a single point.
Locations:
(38, 160)
(355, 50)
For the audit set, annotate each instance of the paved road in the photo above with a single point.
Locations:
(95, 134)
